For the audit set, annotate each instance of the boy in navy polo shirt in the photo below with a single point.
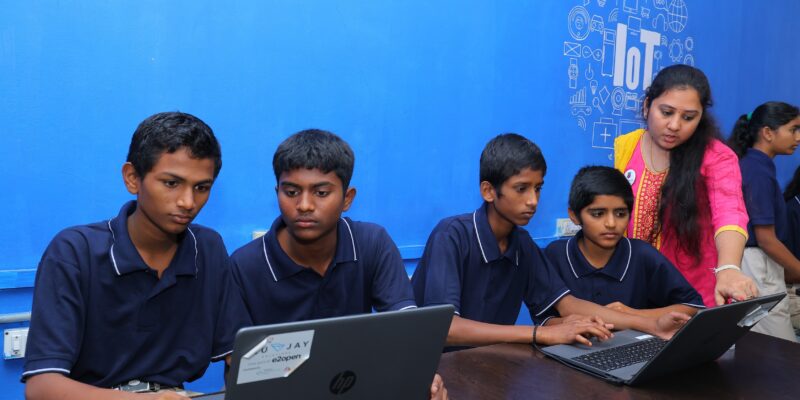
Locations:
(313, 263)
(146, 298)
(601, 265)
(485, 265)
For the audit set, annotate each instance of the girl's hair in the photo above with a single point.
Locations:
(679, 202)
(772, 114)
(793, 188)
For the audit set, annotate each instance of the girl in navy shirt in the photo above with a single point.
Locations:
(792, 197)
(772, 129)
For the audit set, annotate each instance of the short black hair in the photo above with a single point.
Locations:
(168, 132)
(508, 154)
(596, 180)
(315, 148)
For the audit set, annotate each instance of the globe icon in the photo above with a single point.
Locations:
(677, 15)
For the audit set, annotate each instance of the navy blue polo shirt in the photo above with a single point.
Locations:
(366, 273)
(101, 316)
(637, 275)
(793, 228)
(462, 265)
(762, 195)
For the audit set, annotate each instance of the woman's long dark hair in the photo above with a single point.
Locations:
(772, 114)
(793, 188)
(679, 203)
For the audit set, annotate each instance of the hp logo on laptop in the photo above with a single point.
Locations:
(342, 382)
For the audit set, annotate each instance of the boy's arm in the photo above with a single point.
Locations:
(664, 326)
(466, 332)
(653, 312)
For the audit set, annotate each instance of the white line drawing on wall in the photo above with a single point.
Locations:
(676, 50)
(593, 63)
(613, 16)
(603, 133)
(662, 25)
(631, 101)
(572, 72)
(596, 104)
(677, 15)
(629, 125)
(634, 25)
(578, 104)
(578, 23)
(604, 94)
(617, 100)
(597, 24)
(572, 49)
(630, 6)
(609, 43)
(657, 56)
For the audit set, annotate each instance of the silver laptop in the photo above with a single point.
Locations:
(389, 355)
(631, 357)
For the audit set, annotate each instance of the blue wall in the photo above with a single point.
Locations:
(417, 88)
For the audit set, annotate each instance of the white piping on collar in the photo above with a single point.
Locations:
(114, 239)
(266, 257)
(630, 253)
(477, 235)
(352, 240)
(627, 265)
(797, 199)
(566, 246)
(195, 251)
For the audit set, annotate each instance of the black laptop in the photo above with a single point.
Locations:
(632, 357)
(388, 355)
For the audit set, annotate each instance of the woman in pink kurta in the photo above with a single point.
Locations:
(721, 209)
(687, 186)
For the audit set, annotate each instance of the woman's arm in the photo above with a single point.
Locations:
(732, 283)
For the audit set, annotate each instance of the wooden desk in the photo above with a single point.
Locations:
(760, 367)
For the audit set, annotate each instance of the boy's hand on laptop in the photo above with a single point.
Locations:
(669, 323)
(574, 330)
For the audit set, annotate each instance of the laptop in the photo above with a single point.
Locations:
(388, 355)
(631, 357)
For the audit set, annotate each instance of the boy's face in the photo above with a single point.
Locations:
(518, 197)
(312, 202)
(604, 221)
(172, 194)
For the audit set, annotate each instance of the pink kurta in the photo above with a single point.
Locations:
(721, 208)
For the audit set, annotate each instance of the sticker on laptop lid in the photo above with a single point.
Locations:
(277, 356)
(644, 337)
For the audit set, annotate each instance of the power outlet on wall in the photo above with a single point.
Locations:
(565, 227)
(14, 341)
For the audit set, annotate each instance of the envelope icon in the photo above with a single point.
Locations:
(572, 49)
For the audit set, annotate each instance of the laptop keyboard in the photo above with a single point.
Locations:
(623, 356)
